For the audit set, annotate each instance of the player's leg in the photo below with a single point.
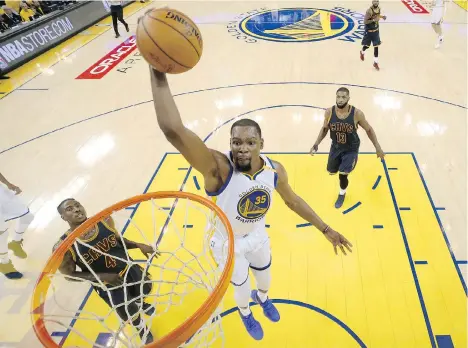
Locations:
(241, 282)
(333, 166)
(436, 21)
(366, 42)
(114, 21)
(260, 264)
(347, 165)
(121, 19)
(334, 161)
(6, 266)
(137, 275)
(16, 245)
(15, 209)
(376, 43)
(126, 310)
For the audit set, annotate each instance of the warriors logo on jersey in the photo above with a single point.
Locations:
(245, 199)
(254, 204)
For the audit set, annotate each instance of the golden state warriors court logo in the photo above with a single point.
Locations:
(253, 205)
(296, 25)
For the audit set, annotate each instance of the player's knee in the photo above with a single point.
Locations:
(27, 219)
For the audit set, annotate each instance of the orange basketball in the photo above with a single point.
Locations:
(169, 40)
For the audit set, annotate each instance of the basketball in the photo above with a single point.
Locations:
(169, 40)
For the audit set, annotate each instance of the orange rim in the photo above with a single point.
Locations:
(177, 336)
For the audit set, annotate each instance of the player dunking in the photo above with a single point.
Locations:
(343, 120)
(111, 271)
(372, 34)
(243, 182)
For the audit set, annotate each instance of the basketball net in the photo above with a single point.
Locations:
(184, 305)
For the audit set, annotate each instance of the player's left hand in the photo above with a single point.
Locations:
(380, 154)
(15, 189)
(338, 240)
(384, 18)
(148, 250)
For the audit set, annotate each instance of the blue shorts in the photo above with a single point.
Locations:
(372, 37)
(342, 161)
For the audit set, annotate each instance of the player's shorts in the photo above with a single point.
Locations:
(371, 37)
(343, 162)
(437, 15)
(252, 251)
(118, 297)
(11, 207)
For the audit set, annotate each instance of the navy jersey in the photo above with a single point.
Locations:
(373, 26)
(343, 132)
(106, 240)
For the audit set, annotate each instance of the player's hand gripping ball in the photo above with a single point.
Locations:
(169, 40)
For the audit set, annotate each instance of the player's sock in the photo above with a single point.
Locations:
(245, 311)
(242, 296)
(21, 226)
(262, 295)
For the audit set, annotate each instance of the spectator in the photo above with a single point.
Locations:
(10, 16)
(26, 13)
(3, 25)
(36, 6)
(117, 13)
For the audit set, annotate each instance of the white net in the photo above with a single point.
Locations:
(157, 292)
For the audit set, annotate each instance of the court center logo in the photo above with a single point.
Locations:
(253, 205)
(298, 25)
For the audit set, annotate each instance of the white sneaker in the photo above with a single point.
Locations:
(439, 41)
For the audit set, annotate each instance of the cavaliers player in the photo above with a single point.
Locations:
(372, 34)
(343, 121)
(111, 271)
(242, 181)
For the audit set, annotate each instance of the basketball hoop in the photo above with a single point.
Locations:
(185, 270)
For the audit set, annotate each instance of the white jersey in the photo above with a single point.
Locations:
(245, 199)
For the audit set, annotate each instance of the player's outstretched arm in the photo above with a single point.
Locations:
(301, 208)
(361, 120)
(183, 139)
(146, 249)
(323, 132)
